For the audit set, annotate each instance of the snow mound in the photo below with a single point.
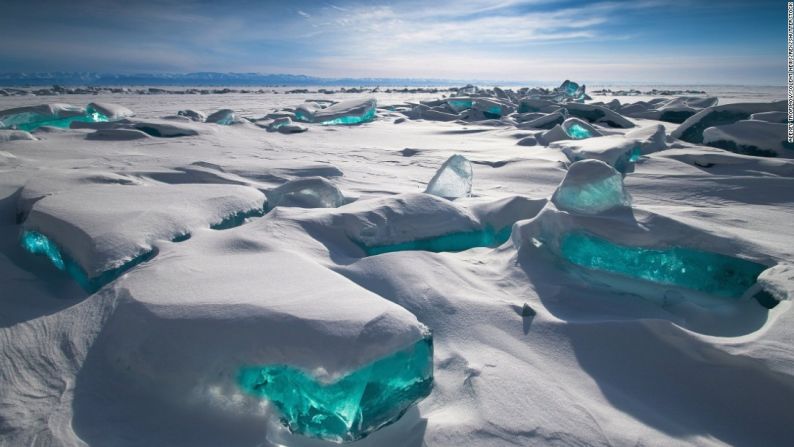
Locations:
(759, 138)
(117, 135)
(103, 227)
(591, 187)
(615, 150)
(692, 129)
(191, 342)
(16, 135)
(651, 138)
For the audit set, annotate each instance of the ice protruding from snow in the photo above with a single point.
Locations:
(711, 273)
(354, 111)
(193, 115)
(459, 104)
(591, 187)
(579, 130)
(58, 115)
(351, 407)
(651, 139)
(571, 91)
(223, 117)
(37, 243)
(309, 192)
(111, 111)
(285, 125)
(453, 179)
(104, 226)
(491, 108)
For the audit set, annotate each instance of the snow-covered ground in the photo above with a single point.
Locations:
(197, 274)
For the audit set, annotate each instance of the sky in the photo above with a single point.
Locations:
(641, 41)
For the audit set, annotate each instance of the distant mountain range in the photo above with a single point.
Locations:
(205, 79)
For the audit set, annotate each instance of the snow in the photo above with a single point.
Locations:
(529, 347)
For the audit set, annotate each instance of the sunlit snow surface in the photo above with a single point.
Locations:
(352, 406)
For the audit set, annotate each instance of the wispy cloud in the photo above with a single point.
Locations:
(502, 39)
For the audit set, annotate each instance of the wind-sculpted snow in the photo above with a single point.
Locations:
(760, 138)
(453, 179)
(692, 129)
(148, 299)
(104, 227)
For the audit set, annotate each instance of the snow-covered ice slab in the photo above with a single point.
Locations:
(759, 138)
(354, 111)
(617, 151)
(108, 228)
(336, 361)
(56, 114)
(692, 129)
(598, 114)
(645, 254)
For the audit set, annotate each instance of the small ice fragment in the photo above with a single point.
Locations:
(223, 117)
(590, 187)
(310, 192)
(453, 179)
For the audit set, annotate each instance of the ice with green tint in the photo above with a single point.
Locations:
(369, 115)
(591, 187)
(706, 272)
(578, 132)
(39, 244)
(352, 406)
(453, 242)
(459, 105)
(29, 121)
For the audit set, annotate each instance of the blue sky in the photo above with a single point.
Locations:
(685, 41)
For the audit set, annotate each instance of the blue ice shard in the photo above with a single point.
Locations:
(453, 179)
(56, 115)
(706, 272)
(458, 104)
(354, 111)
(590, 187)
(352, 406)
(223, 117)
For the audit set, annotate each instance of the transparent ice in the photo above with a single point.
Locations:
(453, 179)
(351, 407)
